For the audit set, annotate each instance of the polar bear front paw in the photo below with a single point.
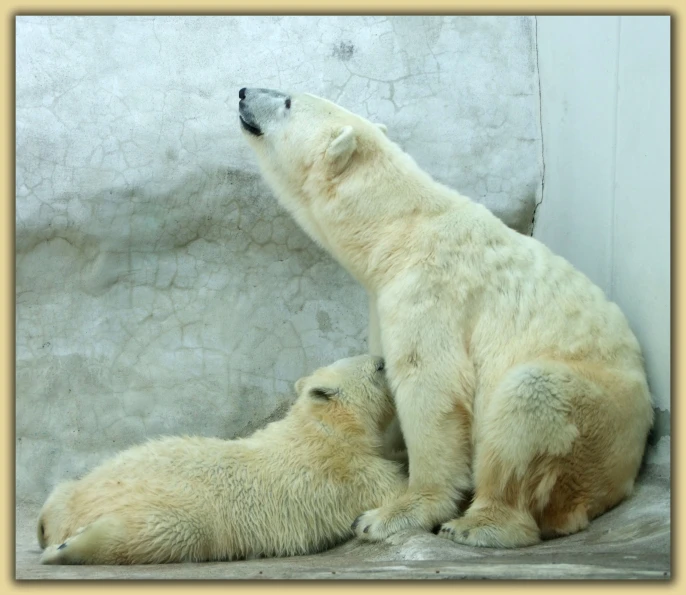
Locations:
(378, 524)
(364, 523)
(369, 526)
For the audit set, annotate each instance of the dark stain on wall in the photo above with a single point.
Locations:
(343, 51)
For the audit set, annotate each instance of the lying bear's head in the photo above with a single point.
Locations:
(351, 391)
(298, 134)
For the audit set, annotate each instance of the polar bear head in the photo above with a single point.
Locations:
(351, 394)
(298, 135)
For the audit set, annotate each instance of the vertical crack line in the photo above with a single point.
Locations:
(613, 165)
(540, 121)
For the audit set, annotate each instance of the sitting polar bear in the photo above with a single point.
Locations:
(514, 378)
(291, 488)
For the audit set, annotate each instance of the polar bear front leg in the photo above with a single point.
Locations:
(393, 443)
(434, 403)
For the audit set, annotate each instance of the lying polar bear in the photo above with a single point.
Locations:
(514, 377)
(293, 487)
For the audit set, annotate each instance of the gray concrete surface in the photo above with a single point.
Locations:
(630, 542)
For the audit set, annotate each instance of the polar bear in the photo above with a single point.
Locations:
(515, 379)
(291, 488)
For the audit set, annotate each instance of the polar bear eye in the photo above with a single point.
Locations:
(288, 103)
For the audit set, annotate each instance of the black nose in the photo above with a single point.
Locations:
(241, 93)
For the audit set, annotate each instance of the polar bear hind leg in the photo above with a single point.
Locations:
(559, 445)
(100, 542)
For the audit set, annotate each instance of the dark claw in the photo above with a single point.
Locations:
(355, 522)
(62, 546)
(366, 529)
(465, 534)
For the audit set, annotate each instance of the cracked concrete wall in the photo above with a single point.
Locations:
(605, 88)
(160, 289)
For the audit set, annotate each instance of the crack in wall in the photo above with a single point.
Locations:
(613, 191)
(540, 116)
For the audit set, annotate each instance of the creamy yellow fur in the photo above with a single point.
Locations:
(293, 487)
(514, 377)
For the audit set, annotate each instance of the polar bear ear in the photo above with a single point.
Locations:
(383, 128)
(300, 384)
(322, 392)
(341, 149)
(316, 391)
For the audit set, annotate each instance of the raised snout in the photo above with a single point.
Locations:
(259, 108)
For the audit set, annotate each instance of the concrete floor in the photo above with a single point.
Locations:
(630, 542)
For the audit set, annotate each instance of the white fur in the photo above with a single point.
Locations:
(513, 375)
(293, 487)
